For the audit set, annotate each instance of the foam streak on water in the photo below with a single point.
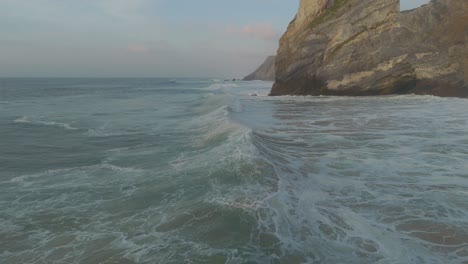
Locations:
(204, 171)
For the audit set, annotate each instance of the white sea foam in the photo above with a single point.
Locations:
(121, 169)
(25, 178)
(26, 120)
(356, 180)
(251, 179)
(220, 86)
(105, 130)
(28, 180)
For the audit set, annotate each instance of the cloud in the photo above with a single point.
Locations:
(260, 30)
(127, 38)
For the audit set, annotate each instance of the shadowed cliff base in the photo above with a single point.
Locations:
(369, 47)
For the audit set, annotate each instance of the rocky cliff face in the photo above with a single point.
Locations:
(369, 47)
(266, 72)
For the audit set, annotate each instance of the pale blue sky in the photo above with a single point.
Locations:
(141, 38)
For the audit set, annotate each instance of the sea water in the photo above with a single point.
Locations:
(206, 171)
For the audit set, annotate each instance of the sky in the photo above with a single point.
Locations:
(141, 38)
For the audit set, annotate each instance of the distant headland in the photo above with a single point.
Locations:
(266, 71)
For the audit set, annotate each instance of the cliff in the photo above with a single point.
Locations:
(266, 71)
(369, 47)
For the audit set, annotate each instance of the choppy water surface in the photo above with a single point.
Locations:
(202, 171)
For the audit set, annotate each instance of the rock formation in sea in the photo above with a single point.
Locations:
(369, 47)
(266, 71)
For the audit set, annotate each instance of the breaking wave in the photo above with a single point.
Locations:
(26, 120)
(227, 177)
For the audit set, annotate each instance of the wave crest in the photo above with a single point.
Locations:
(26, 120)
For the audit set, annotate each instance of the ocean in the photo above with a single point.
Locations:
(208, 171)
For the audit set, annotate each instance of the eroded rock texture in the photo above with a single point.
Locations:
(369, 47)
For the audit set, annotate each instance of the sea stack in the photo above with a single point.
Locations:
(266, 71)
(369, 47)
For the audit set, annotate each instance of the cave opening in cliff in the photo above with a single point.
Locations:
(406, 5)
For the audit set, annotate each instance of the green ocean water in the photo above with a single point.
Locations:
(207, 171)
